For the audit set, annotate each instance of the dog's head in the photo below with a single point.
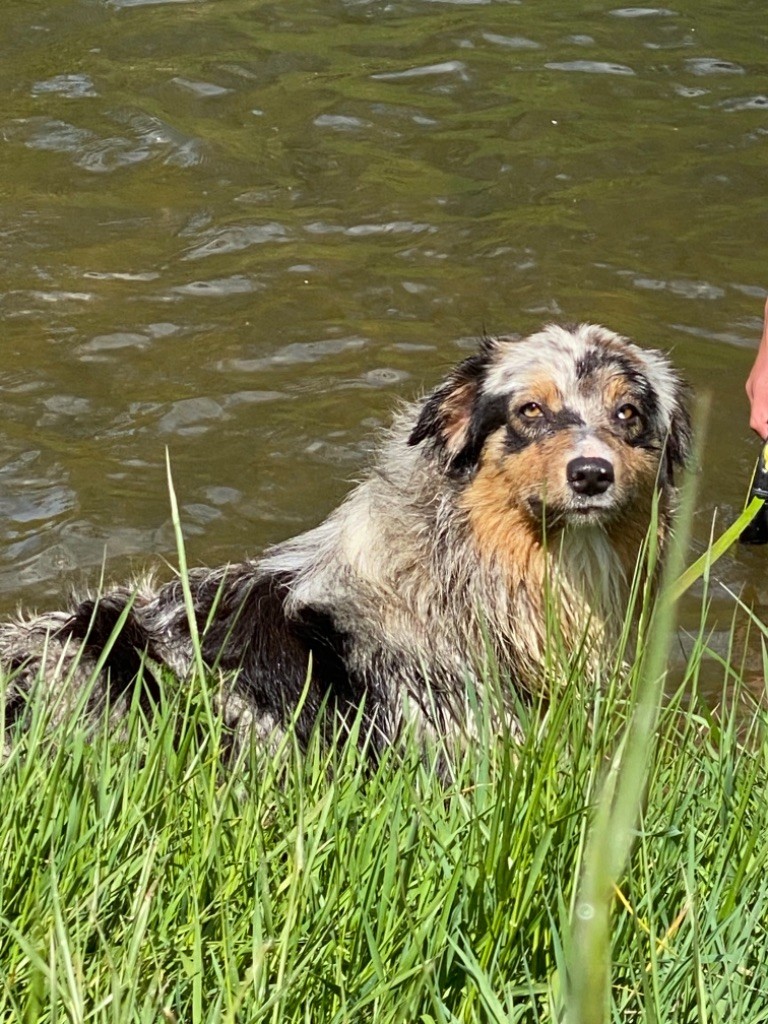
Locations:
(575, 424)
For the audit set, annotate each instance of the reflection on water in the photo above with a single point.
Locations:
(243, 231)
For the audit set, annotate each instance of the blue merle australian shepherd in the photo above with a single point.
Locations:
(527, 476)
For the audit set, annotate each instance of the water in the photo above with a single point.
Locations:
(242, 230)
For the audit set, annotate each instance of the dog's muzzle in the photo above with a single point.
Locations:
(589, 477)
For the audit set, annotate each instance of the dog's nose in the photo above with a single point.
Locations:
(589, 476)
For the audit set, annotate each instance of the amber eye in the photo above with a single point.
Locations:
(626, 413)
(531, 411)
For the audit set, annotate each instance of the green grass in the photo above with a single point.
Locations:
(141, 882)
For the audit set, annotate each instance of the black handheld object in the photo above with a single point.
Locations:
(757, 531)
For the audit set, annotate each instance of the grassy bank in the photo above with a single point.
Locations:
(141, 883)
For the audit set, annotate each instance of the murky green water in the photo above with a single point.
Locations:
(243, 229)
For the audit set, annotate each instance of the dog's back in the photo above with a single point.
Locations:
(528, 475)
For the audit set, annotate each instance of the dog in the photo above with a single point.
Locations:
(526, 480)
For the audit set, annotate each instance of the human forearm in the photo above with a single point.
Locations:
(757, 385)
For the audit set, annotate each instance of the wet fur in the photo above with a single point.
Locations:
(433, 564)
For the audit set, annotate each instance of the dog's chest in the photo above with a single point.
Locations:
(590, 581)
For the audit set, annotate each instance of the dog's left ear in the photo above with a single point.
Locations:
(679, 444)
(457, 418)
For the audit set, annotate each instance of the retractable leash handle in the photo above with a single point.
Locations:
(756, 532)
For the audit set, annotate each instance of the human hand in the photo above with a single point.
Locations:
(757, 385)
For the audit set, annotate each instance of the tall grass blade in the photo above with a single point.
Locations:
(612, 830)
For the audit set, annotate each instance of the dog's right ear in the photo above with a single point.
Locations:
(457, 418)
(678, 449)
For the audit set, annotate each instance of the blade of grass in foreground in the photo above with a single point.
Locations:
(189, 604)
(612, 830)
(702, 565)
(755, 503)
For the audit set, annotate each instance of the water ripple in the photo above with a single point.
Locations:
(72, 86)
(119, 4)
(241, 236)
(746, 103)
(235, 285)
(594, 67)
(295, 353)
(401, 227)
(116, 340)
(712, 66)
(511, 42)
(108, 153)
(446, 67)
(205, 90)
(643, 12)
(190, 416)
(340, 122)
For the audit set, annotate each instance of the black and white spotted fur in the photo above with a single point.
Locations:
(530, 470)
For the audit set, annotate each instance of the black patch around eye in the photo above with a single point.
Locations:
(595, 359)
(643, 431)
(516, 440)
(646, 437)
(640, 392)
(519, 437)
(644, 396)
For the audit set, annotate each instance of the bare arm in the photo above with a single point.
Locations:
(757, 385)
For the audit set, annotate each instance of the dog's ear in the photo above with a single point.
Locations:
(679, 444)
(457, 418)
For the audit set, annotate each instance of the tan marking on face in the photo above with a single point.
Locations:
(614, 389)
(540, 388)
(495, 502)
(503, 500)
